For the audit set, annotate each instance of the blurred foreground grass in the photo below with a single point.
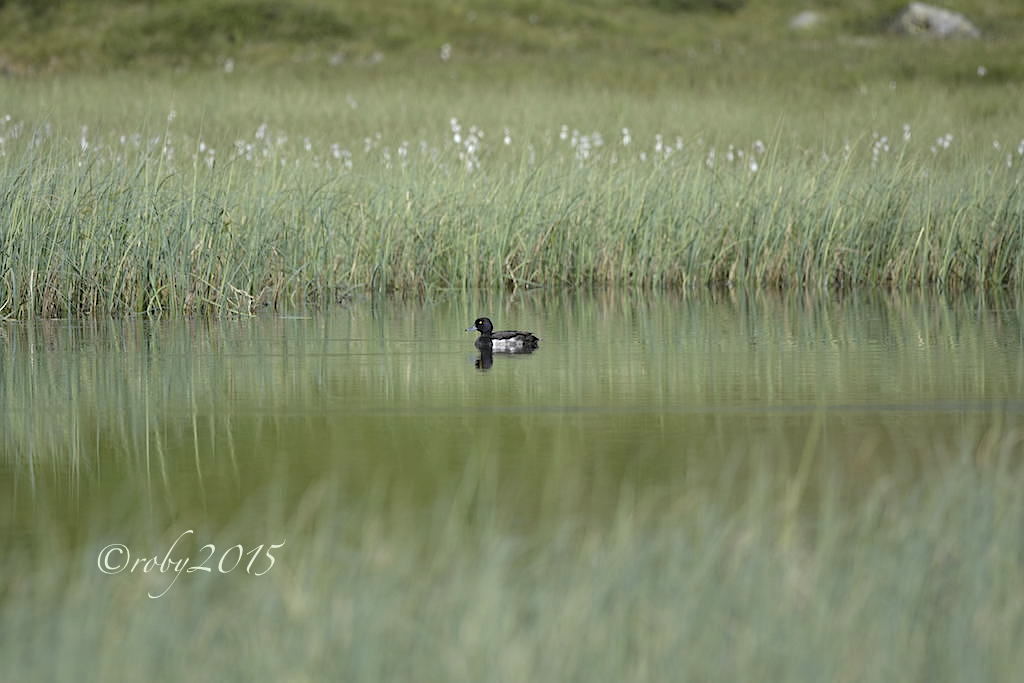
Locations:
(707, 577)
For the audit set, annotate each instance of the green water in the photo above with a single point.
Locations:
(369, 430)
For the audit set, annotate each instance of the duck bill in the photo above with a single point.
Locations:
(471, 329)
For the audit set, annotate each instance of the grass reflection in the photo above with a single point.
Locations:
(815, 488)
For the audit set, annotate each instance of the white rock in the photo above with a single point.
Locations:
(805, 20)
(921, 19)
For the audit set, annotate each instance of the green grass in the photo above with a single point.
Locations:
(383, 200)
(113, 203)
(97, 34)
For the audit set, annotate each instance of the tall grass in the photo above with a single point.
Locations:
(221, 212)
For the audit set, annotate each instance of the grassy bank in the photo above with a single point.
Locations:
(90, 35)
(212, 193)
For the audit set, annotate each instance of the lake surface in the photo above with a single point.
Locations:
(133, 430)
(199, 414)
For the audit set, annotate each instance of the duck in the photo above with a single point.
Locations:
(504, 341)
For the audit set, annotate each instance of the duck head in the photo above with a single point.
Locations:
(481, 325)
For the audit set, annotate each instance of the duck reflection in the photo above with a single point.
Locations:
(486, 358)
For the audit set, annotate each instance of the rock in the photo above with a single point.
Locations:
(807, 19)
(921, 19)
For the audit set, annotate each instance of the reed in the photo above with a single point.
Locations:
(204, 214)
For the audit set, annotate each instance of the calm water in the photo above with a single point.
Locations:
(106, 423)
(801, 474)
